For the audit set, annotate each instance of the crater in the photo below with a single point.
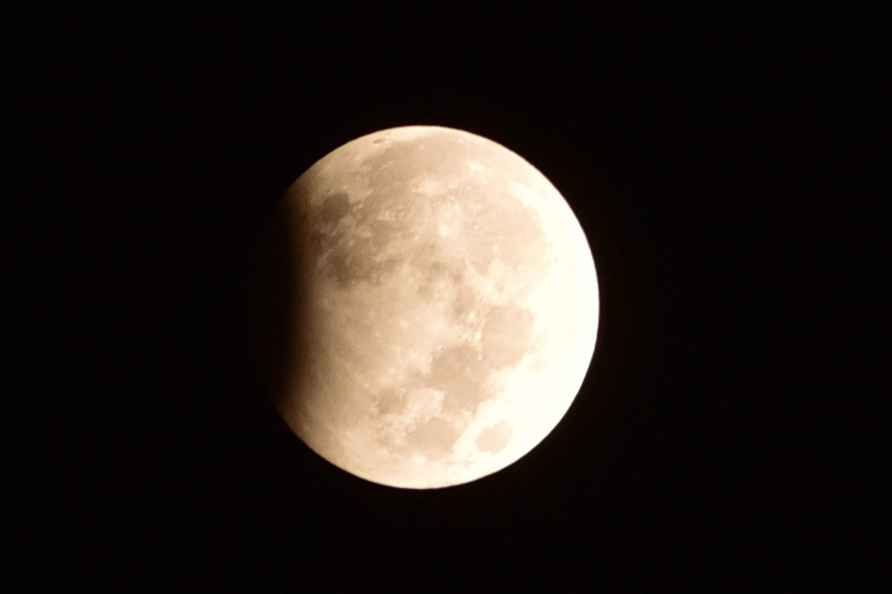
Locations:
(494, 438)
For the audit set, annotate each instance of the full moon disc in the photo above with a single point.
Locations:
(445, 307)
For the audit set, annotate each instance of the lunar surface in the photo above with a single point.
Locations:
(445, 309)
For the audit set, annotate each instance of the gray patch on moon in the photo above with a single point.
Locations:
(434, 438)
(391, 402)
(494, 438)
(335, 208)
(347, 256)
(507, 335)
(462, 372)
(436, 275)
(465, 302)
(461, 375)
(347, 266)
(508, 231)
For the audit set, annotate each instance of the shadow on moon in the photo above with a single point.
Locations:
(274, 298)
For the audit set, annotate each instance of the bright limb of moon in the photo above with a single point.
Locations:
(449, 307)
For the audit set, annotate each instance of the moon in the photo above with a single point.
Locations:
(447, 311)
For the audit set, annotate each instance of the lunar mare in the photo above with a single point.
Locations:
(448, 312)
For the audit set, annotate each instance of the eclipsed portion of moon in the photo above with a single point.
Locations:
(449, 307)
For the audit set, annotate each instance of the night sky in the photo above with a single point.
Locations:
(697, 163)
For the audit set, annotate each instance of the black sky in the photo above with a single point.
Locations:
(700, 163)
